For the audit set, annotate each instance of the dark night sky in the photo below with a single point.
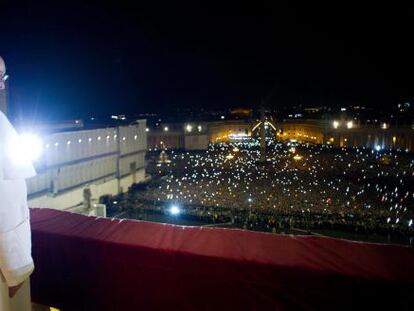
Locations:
(76, 58)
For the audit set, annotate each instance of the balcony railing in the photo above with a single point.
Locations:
(88, 263)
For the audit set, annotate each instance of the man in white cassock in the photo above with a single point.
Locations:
(16, 263)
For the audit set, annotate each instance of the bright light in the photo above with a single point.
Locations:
(188, 128)
(335, 124)
(199, 128)
(222, 117)
(166, 129)
(297, 157)
(238, 136)
(175, 210)
(349, 124)
(384, 126)
(147, 129)
(229, 156)
(378, 147)
(26, 147)
(235, 149)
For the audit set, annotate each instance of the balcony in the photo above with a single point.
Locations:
(88, 263)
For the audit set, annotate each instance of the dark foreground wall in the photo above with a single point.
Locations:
(85, 263)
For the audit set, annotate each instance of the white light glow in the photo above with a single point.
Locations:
(335, 124)
(297, 157)
(175, 210)
(349, 124)
(26, 147)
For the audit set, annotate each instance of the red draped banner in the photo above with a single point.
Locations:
(88, 263)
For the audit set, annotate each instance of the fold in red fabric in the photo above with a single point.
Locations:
(88, 263)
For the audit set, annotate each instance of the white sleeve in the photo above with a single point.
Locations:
(10, 168)
(16, 262)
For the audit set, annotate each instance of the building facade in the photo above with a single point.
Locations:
(348, 133)
(104, 161)
(341, 133)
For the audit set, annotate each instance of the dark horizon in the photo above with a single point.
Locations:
(75, 59)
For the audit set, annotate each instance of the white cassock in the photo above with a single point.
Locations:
(16, 263)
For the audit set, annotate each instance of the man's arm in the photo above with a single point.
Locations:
(16, 262)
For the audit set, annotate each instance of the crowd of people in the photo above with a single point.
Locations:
(301, 186)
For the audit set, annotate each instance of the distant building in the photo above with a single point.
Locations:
(338, 133)
(196, 142)
(241, 112)
(347, 133)
(194, 135)
(105, 161)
